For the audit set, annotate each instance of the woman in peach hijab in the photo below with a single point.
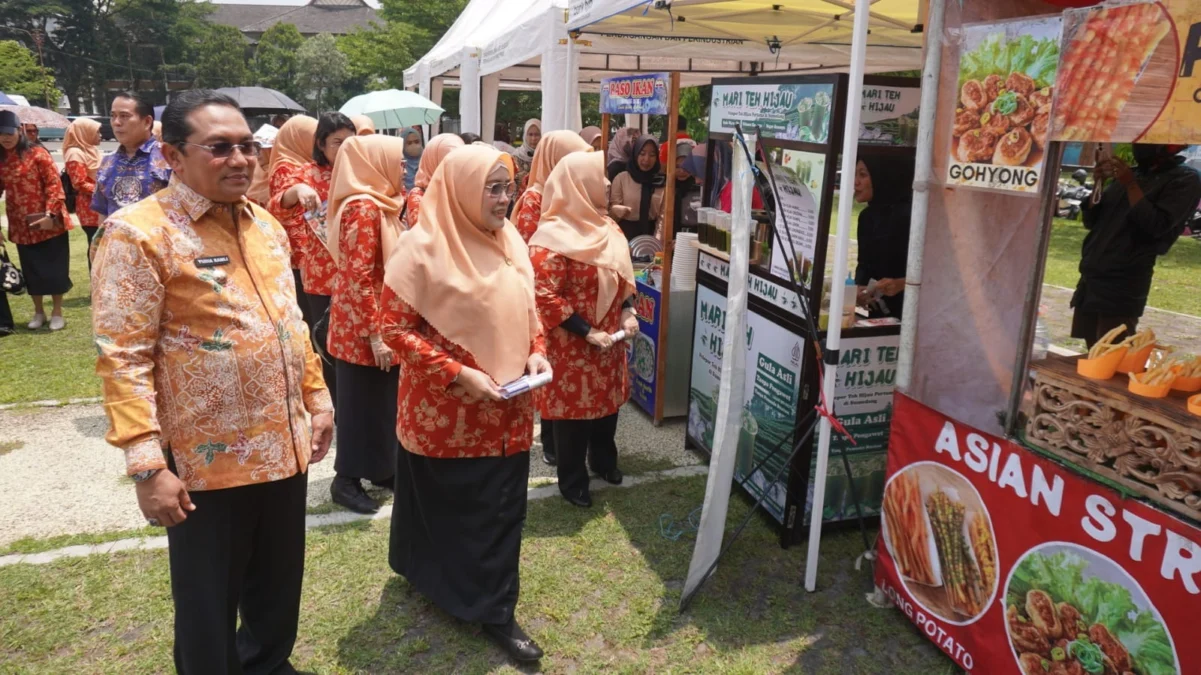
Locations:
(437, 150)
(459, 308)
(363, 125)
(554, 147)
(585, 285)
(81, 157)
(591, 136)
(365, 199)
(289, 159)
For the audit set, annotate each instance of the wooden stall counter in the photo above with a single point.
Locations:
(1150, 446)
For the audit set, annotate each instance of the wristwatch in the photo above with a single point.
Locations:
(143, 476)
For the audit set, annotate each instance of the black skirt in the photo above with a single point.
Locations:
(456, 532)
(47, 266)
(366, 421)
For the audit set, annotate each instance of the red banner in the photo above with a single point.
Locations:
(1013, 563)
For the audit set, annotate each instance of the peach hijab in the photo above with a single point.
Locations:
(475, 288)
(575, 225)
(81, 143)
(436, 151)
(294, 142)
(363, 126)
(550, 151)
(368, 167)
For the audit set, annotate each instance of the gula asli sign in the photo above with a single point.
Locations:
(1013, 563)
(1130, 72)
(1006, 87)
(644, 94)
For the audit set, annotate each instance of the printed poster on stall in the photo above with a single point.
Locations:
(644, 348)
(770, 401)
(1012, 563)
(796, 219)
(786, 112)
(889, 116)
(1006, 86)
(867, 376)
(644, 94)
(1129, 73)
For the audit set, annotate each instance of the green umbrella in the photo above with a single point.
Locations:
(393, 109)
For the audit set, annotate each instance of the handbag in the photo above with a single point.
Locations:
(11, 279)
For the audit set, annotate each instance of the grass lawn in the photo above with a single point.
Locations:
(1177, 274)
(600, 589)
(40, 365)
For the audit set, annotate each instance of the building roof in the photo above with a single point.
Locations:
(319, 16)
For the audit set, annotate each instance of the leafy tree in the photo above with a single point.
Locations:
(428, 20)
(378, 56)
(275, 59)
(221, 58)
(321, 70)
(20, 74)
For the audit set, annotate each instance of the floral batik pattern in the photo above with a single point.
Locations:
(589, 383)
(202, 350)
(432, 422)
(30, 184)
(354, 305)
(317, 267)
(527, 214)
(283, 178)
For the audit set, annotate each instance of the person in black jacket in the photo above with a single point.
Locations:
(885, 183)
(1139, 216)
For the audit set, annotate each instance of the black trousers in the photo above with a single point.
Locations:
(318, 304)
(6, 313)
(302, 299)
(581, 444)
(548, 438)
(1092, 326)
(90, 231)
(240, 551)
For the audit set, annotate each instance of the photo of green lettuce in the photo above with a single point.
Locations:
(1062, 575)
(996, 55)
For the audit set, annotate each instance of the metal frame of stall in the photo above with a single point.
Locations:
(764, 284)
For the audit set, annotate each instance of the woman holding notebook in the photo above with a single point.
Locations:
(584, 285)
(458, 309)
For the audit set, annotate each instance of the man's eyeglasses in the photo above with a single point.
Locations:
(223, 150)
(495, 190)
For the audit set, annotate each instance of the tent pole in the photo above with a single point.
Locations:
(923, 178)
(850, 151)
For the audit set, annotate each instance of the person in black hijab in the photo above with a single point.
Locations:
(885, 184)
(636, 198)
(1139, 217)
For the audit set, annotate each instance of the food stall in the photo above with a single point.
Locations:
(1039, 516)
(798, 122)
(664, 301)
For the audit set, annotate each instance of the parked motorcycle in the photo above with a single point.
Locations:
(1072, 195)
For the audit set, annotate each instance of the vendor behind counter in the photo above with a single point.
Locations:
(885, 184)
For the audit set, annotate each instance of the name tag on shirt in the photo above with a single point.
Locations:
(212, 261)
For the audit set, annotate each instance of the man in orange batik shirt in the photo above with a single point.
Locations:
(208, 375)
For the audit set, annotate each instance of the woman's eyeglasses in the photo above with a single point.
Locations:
(495, 190)
(223, 150)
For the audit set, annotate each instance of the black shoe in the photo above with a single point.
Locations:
(582, 500)
(550, 458)
(613, 476)
(5, 331)
(514, 641)
(348, 492)
(388, 484)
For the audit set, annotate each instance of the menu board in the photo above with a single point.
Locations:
(797, 215)
(644, 94)
(644, 347)
(889, 116)
(786, 112)
(1006, 87)
(1012, 563)
(770, 400)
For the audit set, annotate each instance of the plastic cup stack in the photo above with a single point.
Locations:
(683, 262)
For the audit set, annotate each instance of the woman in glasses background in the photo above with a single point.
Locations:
(290, 197)
(459, 309)
(585, 283)
(365, 200)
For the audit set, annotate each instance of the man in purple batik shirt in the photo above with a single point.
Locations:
(137, 169)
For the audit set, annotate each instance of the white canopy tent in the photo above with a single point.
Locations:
(525, 44)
